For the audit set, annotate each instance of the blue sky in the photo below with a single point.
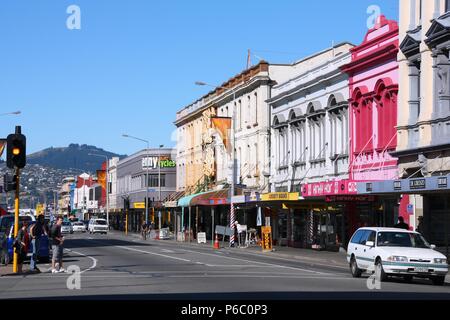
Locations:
(133, 64)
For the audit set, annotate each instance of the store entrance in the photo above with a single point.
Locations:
(330, 232)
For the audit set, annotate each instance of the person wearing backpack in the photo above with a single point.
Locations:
(22, 245)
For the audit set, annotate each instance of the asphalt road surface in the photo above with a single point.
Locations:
(118, 267)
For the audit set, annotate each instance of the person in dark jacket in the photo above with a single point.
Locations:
(23, 243)
(401, 224)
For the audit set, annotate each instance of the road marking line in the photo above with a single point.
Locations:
(153, 253)
(83, 255)
(167, 251)
(261, 263)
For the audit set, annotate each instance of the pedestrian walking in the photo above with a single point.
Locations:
(57, 247)
(144, 231)
(37, 231)
(401, 224)
(22, 244)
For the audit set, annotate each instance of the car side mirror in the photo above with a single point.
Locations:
(433, 246)
(370, 244)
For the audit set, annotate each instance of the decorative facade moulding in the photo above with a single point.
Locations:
(439, 31)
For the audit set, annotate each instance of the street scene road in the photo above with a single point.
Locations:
(119, 267)
(225, 150)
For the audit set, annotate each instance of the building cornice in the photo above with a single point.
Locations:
(416, 151)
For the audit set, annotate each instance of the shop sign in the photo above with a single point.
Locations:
(410, 209)
(442, 182)
(350, 198)
(417, 184)
(397, 185)
(153, 162)
(321, 189)
(266, 239)
(139, 205)
(281, 196)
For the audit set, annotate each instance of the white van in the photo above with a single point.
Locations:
(98, 226)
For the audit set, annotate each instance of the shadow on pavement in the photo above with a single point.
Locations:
(98, 243)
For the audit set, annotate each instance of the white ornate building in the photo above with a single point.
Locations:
(310, 132)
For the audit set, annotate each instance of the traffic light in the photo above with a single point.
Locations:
(16, 155)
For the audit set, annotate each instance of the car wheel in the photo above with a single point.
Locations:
(379, 271)
(356, 272)
(438, 280)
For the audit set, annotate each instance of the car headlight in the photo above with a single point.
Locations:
(440, 261)
(398, 259)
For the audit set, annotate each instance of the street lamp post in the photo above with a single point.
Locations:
(159, 185)
(146, 172)
(107, 183)
(233, 158)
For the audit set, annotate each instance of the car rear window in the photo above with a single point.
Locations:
(101, 222)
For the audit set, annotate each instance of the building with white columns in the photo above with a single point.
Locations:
(309, 117)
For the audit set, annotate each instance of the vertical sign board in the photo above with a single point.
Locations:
(266, 239)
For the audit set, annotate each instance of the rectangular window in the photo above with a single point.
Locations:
(447, 5)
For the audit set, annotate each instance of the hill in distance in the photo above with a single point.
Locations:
(74, 156)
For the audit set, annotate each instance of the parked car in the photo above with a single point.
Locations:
(98, 226)
(66, 227)
(395, 252)
(78, 227)
(8, 220)
(44, 245)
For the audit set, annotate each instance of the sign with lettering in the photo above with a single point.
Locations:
(139, 205)
(267, 239)
(417, 184)
(350, 198)
(281, 196)
(154, 162)
(322, 189)
(442, 182)
(397, 185)
(201, 237)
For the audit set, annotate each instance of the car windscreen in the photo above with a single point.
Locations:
(78, 224)
(101, 222)
(401, 239)
(66, 224)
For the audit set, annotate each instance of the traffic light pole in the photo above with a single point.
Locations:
(16, 220)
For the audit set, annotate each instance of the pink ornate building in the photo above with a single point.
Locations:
(373, 84)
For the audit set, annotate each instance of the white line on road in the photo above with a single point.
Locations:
(153, 253)
(94, 265)
(261, 263)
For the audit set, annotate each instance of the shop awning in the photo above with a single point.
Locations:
(210, 198)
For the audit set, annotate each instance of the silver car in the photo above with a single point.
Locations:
(66, 227)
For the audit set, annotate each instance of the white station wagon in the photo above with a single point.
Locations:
(395, 252)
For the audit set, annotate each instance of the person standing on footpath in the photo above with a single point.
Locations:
(57, 247)
(37, 231)
(22, 245)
